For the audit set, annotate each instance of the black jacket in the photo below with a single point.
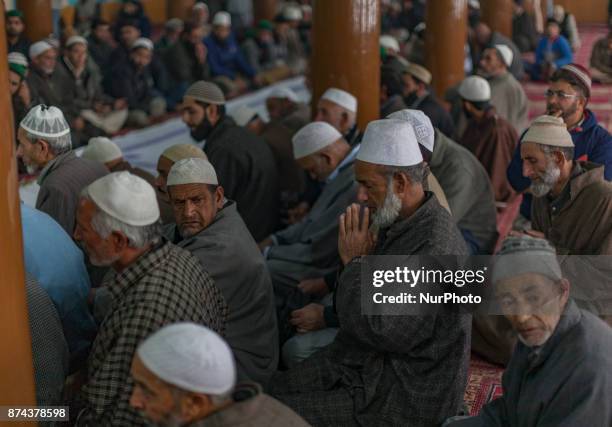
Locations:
(247, 172)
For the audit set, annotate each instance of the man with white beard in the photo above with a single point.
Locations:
(155, 283)
(383, 369)
(572, 204)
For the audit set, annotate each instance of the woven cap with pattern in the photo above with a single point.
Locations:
(525, 254)
(206, 92)
(45, 122)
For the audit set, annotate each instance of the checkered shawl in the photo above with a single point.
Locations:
(166, 285)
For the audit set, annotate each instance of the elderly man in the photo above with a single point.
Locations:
(567, 97)
(386, 370)
(133, 80)
(184, 375)
(339, 108)
(155, 283)
(309, 248)
(45, 146)
(244, 163)
(572, 204)
(417, 96)
(284, 106)
(489, 137)
(209, 226)
(48, 85)
(16, 40)
(291, 179)
(170, 156)
(103, 150)
(57, 264)
(464, 180)
(507, 94)
(561, 369)
(225, 58)
(101, 113)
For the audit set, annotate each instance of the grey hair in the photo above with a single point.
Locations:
(59, 144)
(216, 399)
(568, 152)
(138, 236)
(415, 173)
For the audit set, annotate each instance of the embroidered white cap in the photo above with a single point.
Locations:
(101, 149)
(342, 98)
(390, 142)
(475, 89)
(313, 137)
(178, 152)
(423, 129)
(45, 122)
(506, 53)
(549, 130)
(192, 171)
(39, 48)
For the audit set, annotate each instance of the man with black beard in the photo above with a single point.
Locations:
(567, 98)
(244, 162)
(572, 204)
(16, 40)
(418, 97)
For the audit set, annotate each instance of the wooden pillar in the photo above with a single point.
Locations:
(180, 9)
(445, 40)
(264, 9)
(37, 17)
(345, 52)
(497, 14)
(16, 369)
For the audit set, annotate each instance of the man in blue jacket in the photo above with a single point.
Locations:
(227, 64)
(567, 97)
(553, 52)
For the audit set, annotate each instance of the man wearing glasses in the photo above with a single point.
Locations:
(561, 369)
(567, 98)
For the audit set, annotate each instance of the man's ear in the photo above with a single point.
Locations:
(219, 194)
(119, 241)
(45, 148)
(565, 289)
(401, 183)
(344, 120)
(212, 112)
(559, 158)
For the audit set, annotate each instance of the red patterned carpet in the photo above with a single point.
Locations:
(484, 384)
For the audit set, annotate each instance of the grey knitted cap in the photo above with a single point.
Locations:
(206, 92)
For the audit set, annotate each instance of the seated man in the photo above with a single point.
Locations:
(100, 45)
(339, 108)
(386, 370)
(132, 79)
(264, 54)
(463, 179)
(601, 59)
(155, 283)
(567, 25)
(15, 37)
(184, 374)
(209, 226)
(572, 204)
(45, 146)
(284, 106)
(524, 33)
(308, 248)
(553, 52)
(99, 113)
(561, 368)
(507, 95)
(489, 137)
(244, 163)
(186, 60)
(170, 156)
(567, 97)
(57, 264)
(391, 91)
(417, 96)
(226, 59)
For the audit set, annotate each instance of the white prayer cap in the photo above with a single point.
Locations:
(18, 58)
(313, 137)
(284, 93)
(506, 53)
(243, 115)
(423, 129)
(142, 42)
(191, 357)
(192, 171)
(222, 19)
(178, 152)
(474, 4)
(389, 43)
(475, 89)
(76, 39)
(126, 197)
(202, 6)
(419, 72)
(101, 149)
(176, 24)
(39, 48)
(292, 13)
(45, 122)
(342, 98)
(390, 142)
(549, 130)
